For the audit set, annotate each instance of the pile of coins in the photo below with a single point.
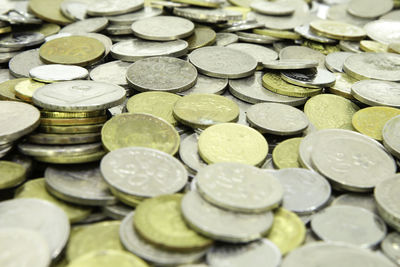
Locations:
(199, 133)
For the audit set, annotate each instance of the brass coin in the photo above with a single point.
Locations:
(48, 10)
(107, 258)
(286, 154)
(278, 34)
(72, 121)
(72, 159)
(7, 89)
(325, 49)
(202, 36)
(61, 139)
(11, 174)
(337, 30)
(373, 46)
(24, 89)
(72, 50)
(75, 129)
(70, 115)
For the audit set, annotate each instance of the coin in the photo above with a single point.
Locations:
(54, 151)
(290, 64)
(390, 136)
(7, 91)
(299, 52)
(202, 3)
(390, 247)
(103, 258)
(111, 72)
(365, 201)
(7, 56)
(318, 78)
(188, 153)
(165, 74)
(394, 48)
(117, 211)
(106, 41)
(337, 30)
(260, 53)
(255, 38)
(74, 10)
(118, 30)
(280, 34)
(73, 129)
(276, 8)
(115, 7)
(338, 12)
(21, 40)
(373, 46)
(203, 15)
(140, 130)
(81, 158)
(86, 25)
(286, 154)
(129, 18)
(25, 88)
(72, 121)
(207, 85)
(342, 86)
(369, 9)
(66, 139)
(57, 73)
(12, 174)
(48, 10)
(222, 62)
(305, 31)
(350, 46)
(334, 61)
(202, 36)
(225, 38)
(245, 145)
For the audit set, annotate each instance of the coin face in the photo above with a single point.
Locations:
(202, 36)
(225, 38)
(12, 174)
(207, 85)
(58, 73)
(21, 64)
(286, 154)
(300, 52)
(129, 18)
(260, 53)
(111, 72)
(108, 8)
(319, 78)
(305, 31)
(369, 9)
(357, 200)
(277, 8)
(334, 61)
(103, 258)
(21, 40)
(389, 246)
(203, 15)
(337, 30)
(49, 10)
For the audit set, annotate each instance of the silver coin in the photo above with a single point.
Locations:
(112, 72)
(243, 26)
(86, 25)
(357, 200)
(207, 85)
(21, 64)
(378, 66)
(334, 254)
(391, 247)
(203, 15)
(12, 124)
(255, 38)
(250, 190)
(21, 40)
(310, 78)
(290, 64)
(352, 163)
(80, 184)
(143, 172)
(128, 19)
(260, 53)
(165, 74)
(57, 35)
(305, 32)
(58, 73)
(346, 223)
(136, 49)
(369, 8)
(377, 93)
(221, 224)
(222, 62)
(106, 41)
(305, 190)
(300, 52)
(391, 136)
(135, 244)
(163, 28)
(275, 8)
(339, 13)
(49, 151)
(117, 211)
(113, 7)
(168, 4)
(118, 30)
(39, 215)
(23, 247)
(350, 46)
(225, 38)
(384, 31)
(79, 96)
(93, 218)
(188, 152)
(252, 91)
(74, 10)
(5, 75)
(263, 117)
(7, 56)
(334, 61)
(262, 253)
(243, 107)
(392, 15)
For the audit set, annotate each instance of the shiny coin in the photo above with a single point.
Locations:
(369, 8)
(378, 66)
(39, 215)
(251, 190)
(140, 130)
(245, 145)
(16, 242)
(222, 62)
(365, 201)
(391, 136)
(106, 41)
(118, 30)
(79, 96)
(323, 48)
(373, 46)
(305, 32)
(334, 61)
(207, 85)
(221, 224)
(280, 34)
(115, 7)
(262, 116)
(300, 52)
(342, 86)
(161, 74)
(276, 8)
(258, 253)
(163, 28)
(86, 25)
(390, 246)
(203, 15)
(189, 153)
(21, 64)
(143, 172)
(58, 73)
(286, 154)
(81, 158)
(194, 110)
(225, 38)
(12, 174)
(64, 50)
(49, 10)
(260, 53)
(25, 89)
(159, 220)
(255, 38)
(290, 64)
(129, 18)
(112, 72)
(72, 121)
(337, 30)
(54, 151)
(202, 36)
(21, 40)
(310, 78)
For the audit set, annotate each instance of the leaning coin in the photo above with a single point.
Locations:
(21, 40)
(391, 136)
(290, 64)
(7, 89)
(115, 7)
(342, 86)
(86, 25)
(21, 64)
(225, 38)
(390, 246)
(202, 36)
(334, 61)
(58, 73)
(377, 93)
(112, 72)
(309, 78)
(24, 89)
(129, 18)
(286, 154)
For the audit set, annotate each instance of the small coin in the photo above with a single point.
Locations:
(129, 18)
(286, 154)
(203, 15)
(369, 8)
(390, 246)
(391, 136)
(53, 151)
(21, 40)
(114, 7)
(111, 72)
(12, 174)
(305, 31)
(357, 200)
(24, 89)
(334, 61)
(21, 64)
(300, 52)
(373, 46)
(260, 53)
(276, 8)
(49, 10)
(319, 78)
(140, 130)
(202, 36)
(225, 38)
(255, 38)
(165, 74)
(58, 73)
(86, 25)
(207, 85)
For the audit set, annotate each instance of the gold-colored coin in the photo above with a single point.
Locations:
(84, 158)
(49, 10)
(108, 258)
(11, 174)
(72, 50)
(6, 29)
(159, 221)
(231, 142)
(203, 110)
(286, 154)
(273, 82)
(142, 130)
(24, 89)
(70, 115)
(201, 3)
(37, 189)
(76, 129)
(73, 121)
(337, 30)
(241, 3)
(7, 89)
(287, 232)
(63, 139)
(343, 84)
(370, 121)
(202, 36)
(96, 236)
(323, 48)
(125, 198)
(394, 47)
(330, 112)
(373, 46)
(159, 104)
(278, 34)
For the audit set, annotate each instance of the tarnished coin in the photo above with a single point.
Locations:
(286, 154)
(390, 246)
(204, 15)
(134, 243)
(258, 253)
(260, 53)
(78, 184)
(275, 8)
(21, 64)
(291, 121)
(79, 96)
(225, 38)
(337, 30)
(114, 7)
(163, 28)
(136, 49)
(305, 31)
(21, 40)
(207, 85)
(12, 174)
(251, 190)
(140, 130)
(42, 216)
(369, 8)
(377, 66)
(86, 25)
(222, 62)
(112, 72)
(255, 38)
(194, 110)
(53, 151)
(386, 196)
(365, 201)
(334, 61)
(319, 78)
(391, 136)
(58, 73)
(15, 242)
(165, 74)
(304, 191)
(129, 18)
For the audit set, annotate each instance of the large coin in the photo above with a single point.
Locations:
(21, 64)
(384, 31)
(114, 7)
